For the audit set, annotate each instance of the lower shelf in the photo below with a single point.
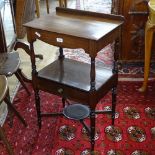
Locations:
(73, 79)
(74, 74)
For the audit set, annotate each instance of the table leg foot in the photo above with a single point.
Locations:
(143, 88)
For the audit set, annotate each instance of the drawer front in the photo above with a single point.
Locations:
(59, 89)
(61, 40)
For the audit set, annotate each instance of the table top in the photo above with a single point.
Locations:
(70, 28)
(84, 26)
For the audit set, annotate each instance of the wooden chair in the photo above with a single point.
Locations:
(9, 65)
(62, 3)
(4, 96)
(9, 59)
(38, 7)
(149, 31)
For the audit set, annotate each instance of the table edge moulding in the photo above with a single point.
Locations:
(71, 79)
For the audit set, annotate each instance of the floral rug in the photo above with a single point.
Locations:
(134, 131)
(133, 70)
(128, 71)
(133, 134)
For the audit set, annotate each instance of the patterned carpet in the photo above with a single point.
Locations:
(128, 71)
(134, 131)
(133, 134)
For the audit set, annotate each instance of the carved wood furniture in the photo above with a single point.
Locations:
(4, 96)
(136, 14)
(149, 31)
(70, 79)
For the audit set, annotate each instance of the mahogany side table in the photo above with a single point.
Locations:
(80, 82)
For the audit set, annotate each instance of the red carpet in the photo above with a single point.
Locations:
(134, 132)
(105, 56)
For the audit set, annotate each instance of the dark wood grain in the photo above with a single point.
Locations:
(136, 15)
(73, 28)
(70, 79)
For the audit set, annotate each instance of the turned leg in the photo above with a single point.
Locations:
(113, 104)
(4, 139)
(23, 77)
(37, 102)
(47, 6)
(18, 75)
(92, 130)
(148, 45)
(37, 8)
(12, 108)
(63, 3)
(60, 3)
(63, 101)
